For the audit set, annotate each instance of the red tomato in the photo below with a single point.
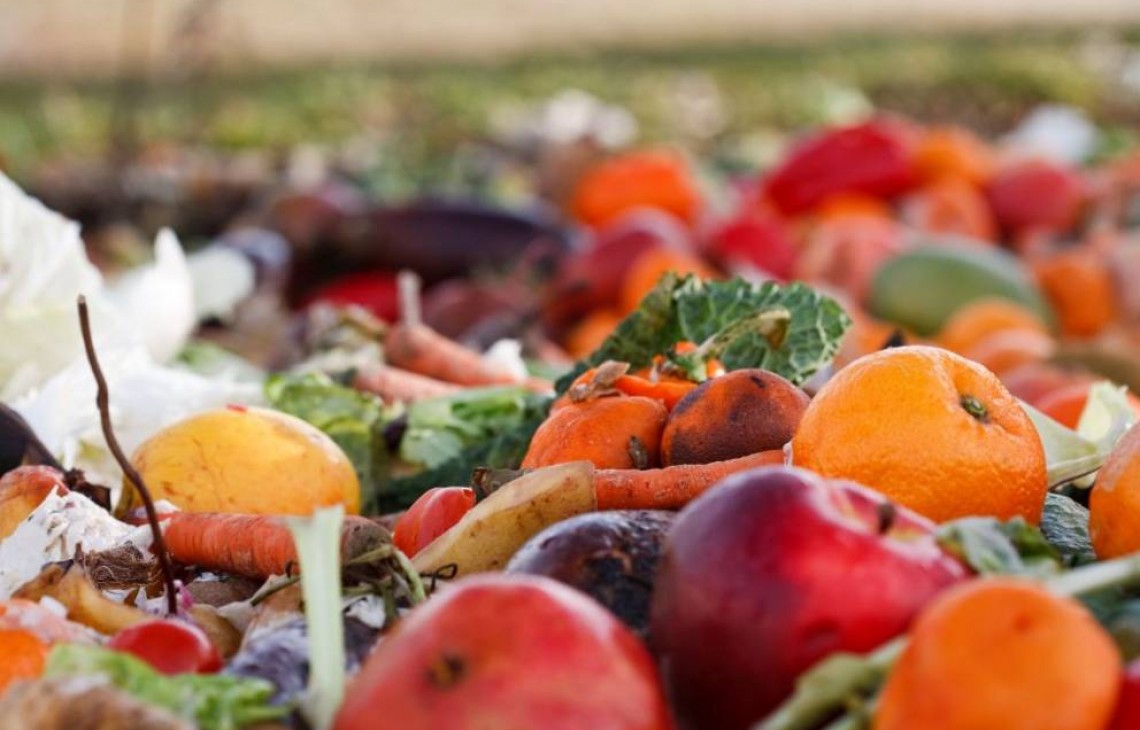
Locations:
(875, 158)
(430, 516)
(764, 242)
(376, 291)
(1036, 195)
(170, 646)
(1127, 715)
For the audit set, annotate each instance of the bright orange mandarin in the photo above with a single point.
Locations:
(1079, 285)
(645, 179)
(983, 317)
(931, 430)
(1114, 504)
(24, 656)
(952, 152)
(1002, 653)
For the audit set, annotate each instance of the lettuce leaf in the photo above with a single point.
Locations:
(351, 418)
(723, 313)
(439, 429)
(210, 701)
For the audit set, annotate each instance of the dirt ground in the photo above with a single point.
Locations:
(81, 38)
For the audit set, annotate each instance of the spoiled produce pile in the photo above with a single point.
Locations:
(846, 442)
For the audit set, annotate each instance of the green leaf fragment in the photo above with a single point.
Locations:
(1065, 525)
(351, 418)
(993, 547)
(791, 330)
(210, 701)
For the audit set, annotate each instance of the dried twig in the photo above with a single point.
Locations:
(103, 402)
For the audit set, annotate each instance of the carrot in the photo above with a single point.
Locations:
(256, 546)
(422, 350)
(393, 384)
(671, 487)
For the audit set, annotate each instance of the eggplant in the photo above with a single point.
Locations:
(610, 556)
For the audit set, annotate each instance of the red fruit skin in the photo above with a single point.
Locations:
(1127, 716)
(170, 646)
(769, 572)
(764, 242)
(375, 291)
(875, 158)
(509, 652)
(592, 279)
(1036, 195)
(431, 515)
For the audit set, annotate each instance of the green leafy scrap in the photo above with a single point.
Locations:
(210, 701)
(729, 315)
(993, 547)
(351, 418)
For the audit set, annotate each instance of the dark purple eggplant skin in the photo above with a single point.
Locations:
(440, 240)
(610, 556)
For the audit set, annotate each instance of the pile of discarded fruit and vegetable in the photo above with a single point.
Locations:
(748, 504)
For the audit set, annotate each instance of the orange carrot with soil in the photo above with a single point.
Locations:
(412, 345)
(393, 385)
(256, 546)
(671, 487)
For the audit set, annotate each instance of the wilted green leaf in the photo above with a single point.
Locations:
(723, 312)
(1065, 524)
(993, 547)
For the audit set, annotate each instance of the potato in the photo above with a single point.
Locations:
(245, 460)
(488, 535)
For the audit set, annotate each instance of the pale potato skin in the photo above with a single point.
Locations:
(491, 533)
(246, 460)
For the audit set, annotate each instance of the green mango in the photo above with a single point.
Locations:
(921, 288)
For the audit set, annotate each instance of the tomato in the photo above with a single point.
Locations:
(1036, 195)
(874, 158)
(1128, 706)
(764, 242)
(375, 291)
(430, 516)
(170, 646)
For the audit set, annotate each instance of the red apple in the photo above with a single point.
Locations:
(1127, 715)
(773, 570)
(508, 651)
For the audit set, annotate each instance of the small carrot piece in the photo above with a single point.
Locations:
(422, 350)
(396, 385)
(256, 546)
(672, 487)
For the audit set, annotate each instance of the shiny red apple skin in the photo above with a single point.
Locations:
(509, 652)
(771, 571)
(1127, 715)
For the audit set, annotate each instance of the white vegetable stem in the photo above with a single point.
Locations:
(318, 550)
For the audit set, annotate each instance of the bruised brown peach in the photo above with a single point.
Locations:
(739, 413)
